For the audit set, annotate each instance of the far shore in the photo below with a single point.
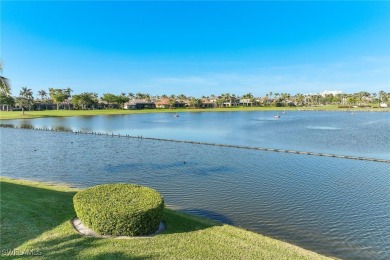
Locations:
(4, 115)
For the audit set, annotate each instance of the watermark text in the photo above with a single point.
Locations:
(20, 252)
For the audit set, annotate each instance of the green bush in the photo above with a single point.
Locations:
(120, 209)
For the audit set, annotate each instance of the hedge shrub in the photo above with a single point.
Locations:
(120, 209)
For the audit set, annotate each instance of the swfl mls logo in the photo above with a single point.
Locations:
(17, 252)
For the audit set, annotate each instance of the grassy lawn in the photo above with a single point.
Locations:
(63, 113)
(36, 217)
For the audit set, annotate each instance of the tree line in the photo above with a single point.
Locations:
(63, 98)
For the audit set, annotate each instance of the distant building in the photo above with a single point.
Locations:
(163, 103)
(330, 92)
(231, 102)
(139, 104)
(208, 104)
(246, 102)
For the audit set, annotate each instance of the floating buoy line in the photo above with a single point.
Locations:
(202, 143)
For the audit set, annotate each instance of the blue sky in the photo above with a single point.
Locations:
(196, 48)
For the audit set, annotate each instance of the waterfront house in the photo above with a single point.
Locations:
(139, 104)
(246, 102)
(231, 102)
(208, 104)
(163, 103)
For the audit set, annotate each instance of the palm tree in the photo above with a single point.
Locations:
(43, 94)
(181, 97)
(276, 98)
(382, 96)
(196, 102)
(6, 100)
(299, 98)
(131, 95)
(172, 102)
(68, 94)
(59, 95)
(250, 98)
(227, 99)
(25, 98)
(5, 87)
(5, 90)
(373, 97)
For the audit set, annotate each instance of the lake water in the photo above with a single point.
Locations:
(333, 206)
(359, 134)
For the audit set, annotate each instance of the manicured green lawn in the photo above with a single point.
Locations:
(36, 217)
(63, 113)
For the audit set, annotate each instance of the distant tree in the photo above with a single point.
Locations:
(5, 90)
(131, 95)
(338, 98)
(374, 99)
(25, 98)
(276, 95)
(121, 100)
(59, 95)
(68, 93)
(181, 97)
(110, 98)
(196, 102)
(5, 86)
(383, 96)
(42, 94)
(85, 100)
(7, 100)
(352, 99)
(220, 100)
(144, 96)
(250, 97)
(299, 99)
(172, 102)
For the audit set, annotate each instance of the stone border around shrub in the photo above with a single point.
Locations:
(85, 231)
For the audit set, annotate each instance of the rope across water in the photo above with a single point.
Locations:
(206, 143)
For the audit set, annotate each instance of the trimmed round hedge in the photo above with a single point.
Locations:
(120, 209)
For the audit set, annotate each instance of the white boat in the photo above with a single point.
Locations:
(277, 115)
(176, 115)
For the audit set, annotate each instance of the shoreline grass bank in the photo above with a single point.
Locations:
(4, 115)
(35, 220)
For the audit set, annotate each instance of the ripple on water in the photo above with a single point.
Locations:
(323, 128)
(333, 206)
